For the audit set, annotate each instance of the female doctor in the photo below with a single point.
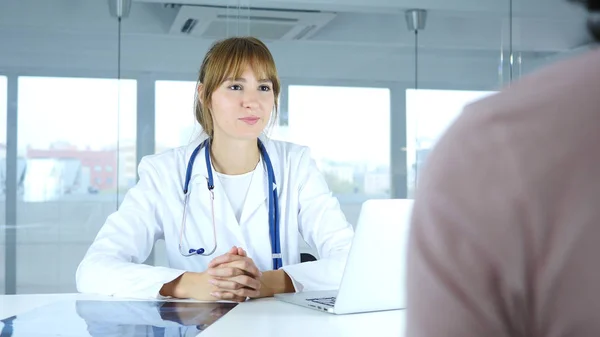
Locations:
(231, 207)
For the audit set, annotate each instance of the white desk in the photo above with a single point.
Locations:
(265, 317)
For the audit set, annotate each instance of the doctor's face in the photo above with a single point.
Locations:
(241, 107)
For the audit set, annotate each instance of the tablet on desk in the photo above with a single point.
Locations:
(115, 318)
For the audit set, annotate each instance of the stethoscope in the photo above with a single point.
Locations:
(273, 204)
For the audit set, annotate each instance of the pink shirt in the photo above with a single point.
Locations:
(505, 236)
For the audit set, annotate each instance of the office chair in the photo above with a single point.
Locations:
(306, 257)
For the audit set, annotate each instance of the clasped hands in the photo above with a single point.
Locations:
(234, 276)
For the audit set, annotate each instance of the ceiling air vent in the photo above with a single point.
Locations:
(213, 22)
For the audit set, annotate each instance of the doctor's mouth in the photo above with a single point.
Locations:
(250, 120)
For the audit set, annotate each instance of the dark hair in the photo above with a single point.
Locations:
(593, 6)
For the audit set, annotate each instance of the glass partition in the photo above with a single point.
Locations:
(429, 113)
(88, 88)
(347, 130)
(452, 66)
(72, 164)
(3, 229)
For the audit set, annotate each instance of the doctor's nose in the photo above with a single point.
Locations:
(250, 101)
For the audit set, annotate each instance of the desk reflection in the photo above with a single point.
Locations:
(156, 319)
(115, 318)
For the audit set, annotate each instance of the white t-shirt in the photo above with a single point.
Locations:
(236, 188)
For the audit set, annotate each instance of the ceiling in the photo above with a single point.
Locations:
(500, 8)
(535, 25)
(452, 25)
(368, 36)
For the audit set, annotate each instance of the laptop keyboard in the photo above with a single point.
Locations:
(328, 301)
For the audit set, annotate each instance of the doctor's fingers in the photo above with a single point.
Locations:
(232, 293)
(225, 295)
(235, 268)
(237, 251)
(225, 258)
(228, 272)
(234, 251)
(236, 282)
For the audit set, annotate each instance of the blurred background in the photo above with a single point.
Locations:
(89, 87)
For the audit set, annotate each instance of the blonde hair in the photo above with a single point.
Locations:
(229, 58)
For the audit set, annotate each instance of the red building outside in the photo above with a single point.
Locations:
(102, 164)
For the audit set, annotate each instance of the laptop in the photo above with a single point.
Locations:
(374, 276)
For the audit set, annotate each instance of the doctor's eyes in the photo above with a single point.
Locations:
(239, 87)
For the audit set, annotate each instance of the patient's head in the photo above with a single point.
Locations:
(593, 6)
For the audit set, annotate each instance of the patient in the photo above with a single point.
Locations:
(505, 236)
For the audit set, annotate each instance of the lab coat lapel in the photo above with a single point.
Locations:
(224, 215)
(254, 221)
(225, 220)
(256, 199)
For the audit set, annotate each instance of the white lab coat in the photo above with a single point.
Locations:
(153, 209)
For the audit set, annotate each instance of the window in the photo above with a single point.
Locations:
(3, 107)
(67, 133)
(175, 126)
(348, 132)
(428, 114)
(175, 120)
